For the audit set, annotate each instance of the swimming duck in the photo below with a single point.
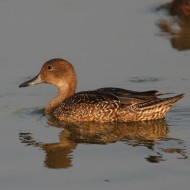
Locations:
(177, 26)
(180, 7)
(102, 105)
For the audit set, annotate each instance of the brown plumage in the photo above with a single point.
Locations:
(104, 104)
(177, 27)
(180, 7)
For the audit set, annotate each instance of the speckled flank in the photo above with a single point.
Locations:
(87, 111)
(103, 105)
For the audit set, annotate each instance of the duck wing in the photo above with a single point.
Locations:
(91, 97)
(121, 91)
(129, 97)
(123, 96)
(141, 99)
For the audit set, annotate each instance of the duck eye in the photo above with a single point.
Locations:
(49, 67)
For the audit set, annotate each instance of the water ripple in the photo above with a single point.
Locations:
(145, 79)
(28, 112)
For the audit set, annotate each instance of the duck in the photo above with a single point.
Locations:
(176, 26)
(106, 104)
(180, 8)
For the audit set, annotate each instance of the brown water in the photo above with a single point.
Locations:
(110, 43)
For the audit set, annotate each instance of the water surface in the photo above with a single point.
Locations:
(110, 43)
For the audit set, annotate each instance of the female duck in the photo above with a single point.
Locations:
(104, 104)
(180, 8)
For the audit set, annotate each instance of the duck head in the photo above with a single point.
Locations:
(57, 72)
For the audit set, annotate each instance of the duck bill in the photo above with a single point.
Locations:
(36, 80)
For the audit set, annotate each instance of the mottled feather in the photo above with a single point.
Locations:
(111, 104)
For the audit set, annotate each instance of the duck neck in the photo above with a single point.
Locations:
(60, 97)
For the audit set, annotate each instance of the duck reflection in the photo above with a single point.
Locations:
(59, 155)
(177, 27)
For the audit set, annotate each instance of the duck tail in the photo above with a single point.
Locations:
(158, 108)
(167, 102)
(172, 100)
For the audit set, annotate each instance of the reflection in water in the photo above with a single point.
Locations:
(177, 27)
(58, 155)
(147, 134)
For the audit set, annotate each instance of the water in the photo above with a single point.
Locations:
(110, 43)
